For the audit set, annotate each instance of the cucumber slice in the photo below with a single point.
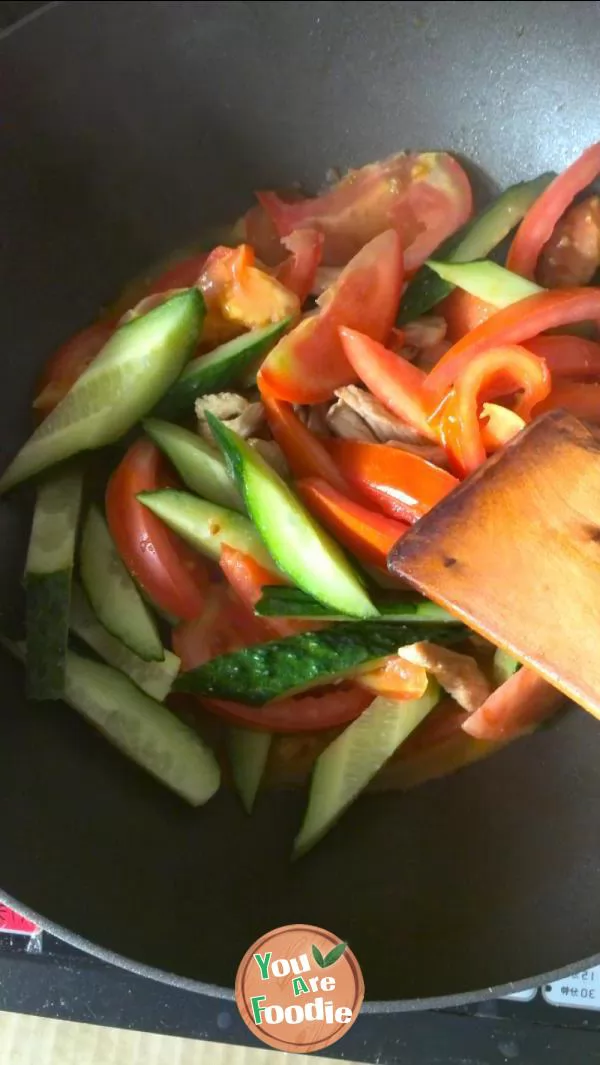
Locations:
(48, 573)
(123, 383)
(504, 665)
(487, 281)
(225, 366)
(278, 601)
(141, 728)
(112, 593)
(207, 526)
(474, 241)
(256, 675)
(348, 764)
(299, 546)
(248, 754)
(154, 678)
(200, 467)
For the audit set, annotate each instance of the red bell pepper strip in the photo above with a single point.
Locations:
(299, 270)
(368, 535)
(539, 222)
(306, 455)
(394, 381)
(401, 484)
(513, 325)
(580, 398)
(515, 708)
(309, 363)
(567, 356)
(501, 370)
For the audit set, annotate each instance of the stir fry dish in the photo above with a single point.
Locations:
(224, 460)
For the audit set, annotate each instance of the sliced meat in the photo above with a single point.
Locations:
(271, 453)
(315, 418)
(572, 255)
(357, 415)
(238, 413)
(343, 421)
(425, 332)
(458, 674)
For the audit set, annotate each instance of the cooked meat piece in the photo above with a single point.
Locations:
(314, 418)
(239, 414)
(425, 332)
(271, 453)
(572, 255)
(458, 674)
(343, 421)
(383, 424)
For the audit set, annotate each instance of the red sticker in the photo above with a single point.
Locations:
(13, 923)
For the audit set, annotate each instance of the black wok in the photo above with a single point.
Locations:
(127, 128)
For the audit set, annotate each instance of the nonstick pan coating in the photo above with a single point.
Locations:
(126, 128)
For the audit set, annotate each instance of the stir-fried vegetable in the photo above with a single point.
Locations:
(293, 449)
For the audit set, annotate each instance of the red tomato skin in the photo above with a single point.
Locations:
(173, 575)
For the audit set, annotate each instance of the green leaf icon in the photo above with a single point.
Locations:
(316, 953)
(333, 955)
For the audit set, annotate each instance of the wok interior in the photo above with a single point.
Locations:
(127, 132)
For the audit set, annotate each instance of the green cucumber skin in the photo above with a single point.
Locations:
(351, 761)
(200, 467)
(279, 602)
(219, 369)
(124, 382)
(47, 597)
(426, 288)
(112, 592)
(299, 546)
(259, 674)
(48, 573)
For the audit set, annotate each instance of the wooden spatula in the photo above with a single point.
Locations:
(515, 552)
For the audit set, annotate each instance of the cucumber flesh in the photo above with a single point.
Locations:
(199, 465)
(207, 526)
(487, 281)
(141, 728)
(48, 574)
(278, 601)
(248, 754)
(123, 383)
(475, 241)
(351, 761)
(227, 365)
(504, 665)
(259, 674)
(154, 678)
(300, 547)
(112, 593)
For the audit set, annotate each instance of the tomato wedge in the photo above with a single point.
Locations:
(463, 312)
(394, 381)
(247, 578)
(515, 708)
(173, 575)
(226, 625)
(402, 484)
(513, 325)
(502, 370)
(299, 270)
(307, 456)
(370, 536)
(425, 197)
(308, 364)
(68, 363)
(538, 224)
